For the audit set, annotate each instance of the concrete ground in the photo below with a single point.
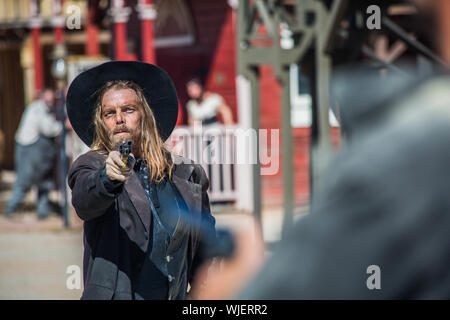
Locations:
(41, 259)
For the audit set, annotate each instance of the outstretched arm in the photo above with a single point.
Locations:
(96, 183)
(225, 279)
(225, 111)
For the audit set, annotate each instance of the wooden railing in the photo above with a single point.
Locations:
(214, 147)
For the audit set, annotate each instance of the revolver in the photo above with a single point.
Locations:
(125, 150)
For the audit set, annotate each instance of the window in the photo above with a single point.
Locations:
(301, 102)
(173, 24)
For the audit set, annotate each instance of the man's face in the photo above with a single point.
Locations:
(121, 114)
(49, 98)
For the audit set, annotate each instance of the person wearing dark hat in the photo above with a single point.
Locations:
(138, 244)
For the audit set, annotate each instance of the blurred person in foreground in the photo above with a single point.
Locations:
(35, 153)
(204, 106)
(136, 242)
(384, 202)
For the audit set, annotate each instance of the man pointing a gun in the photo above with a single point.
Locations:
(133, 195)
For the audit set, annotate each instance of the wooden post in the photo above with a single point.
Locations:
(58, 21)
(147, 14)
(35, 26)
(92, 46)
(120, 18)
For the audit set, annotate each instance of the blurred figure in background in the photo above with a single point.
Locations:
(205, 106)
(34, 153)
(378, 228)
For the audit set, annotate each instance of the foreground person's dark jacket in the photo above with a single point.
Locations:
(116, 228)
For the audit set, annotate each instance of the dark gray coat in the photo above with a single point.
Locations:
(116, 228)
(385, 202)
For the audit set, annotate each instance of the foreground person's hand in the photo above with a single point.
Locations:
(224, 280)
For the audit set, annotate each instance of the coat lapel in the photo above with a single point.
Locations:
(139, 199)
(192, 195)
(190, 191)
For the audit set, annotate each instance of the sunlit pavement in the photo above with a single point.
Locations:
(35, 255)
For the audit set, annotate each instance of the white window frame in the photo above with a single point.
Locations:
(301, 112)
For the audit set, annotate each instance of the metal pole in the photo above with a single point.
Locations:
(287, 146)
(412, 43)
(251, 72)
(64, 161)
(321, 132)
(253, 76)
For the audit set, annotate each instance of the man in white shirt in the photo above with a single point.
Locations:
(34, 153)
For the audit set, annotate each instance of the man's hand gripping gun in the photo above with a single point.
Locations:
(125, 150)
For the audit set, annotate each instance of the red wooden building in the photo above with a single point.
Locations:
(184, 37)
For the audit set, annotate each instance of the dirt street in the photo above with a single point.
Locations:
(33, 265)
(35, 255)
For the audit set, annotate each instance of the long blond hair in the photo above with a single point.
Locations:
(151, 145)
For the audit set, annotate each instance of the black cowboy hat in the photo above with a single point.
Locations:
(156, 84)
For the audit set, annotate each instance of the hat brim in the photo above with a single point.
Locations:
(156, 84)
